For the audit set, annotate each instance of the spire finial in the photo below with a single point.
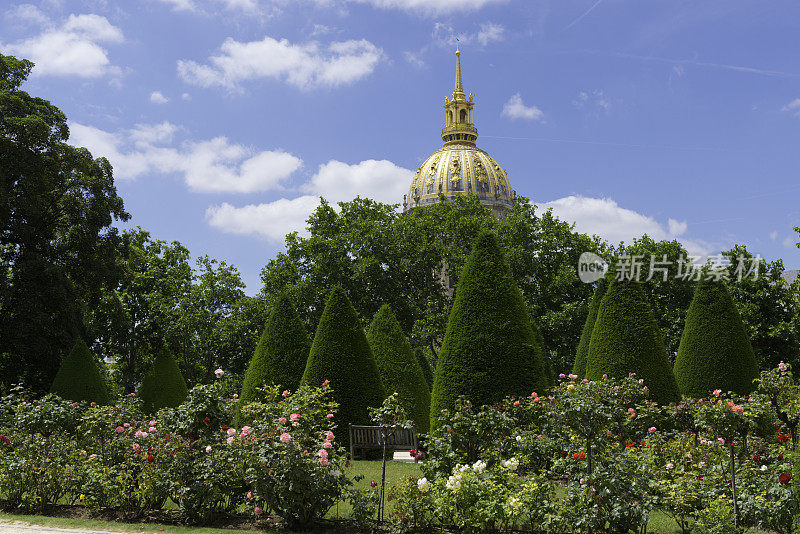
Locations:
(459, 84)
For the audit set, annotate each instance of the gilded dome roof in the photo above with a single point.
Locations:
(460, 167)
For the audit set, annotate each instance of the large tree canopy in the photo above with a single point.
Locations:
(57, 243)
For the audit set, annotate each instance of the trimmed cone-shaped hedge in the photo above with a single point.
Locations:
(547, 363)
(626, 339)
(399, 368)
(340, 353)
(163, 386)
(490, 349)
(715, 352)
(579, 367)
(425, 365)
(282, 351)
(79, 377)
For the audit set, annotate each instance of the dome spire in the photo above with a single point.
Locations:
(458, 126)
(459, 84)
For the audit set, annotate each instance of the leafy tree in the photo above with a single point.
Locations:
(490, 349)
(381, 256)
(715, 352)
(282, 351)
(579, 368)
(399, 368)
(340, 353)
(79, 377)
(57, 242)
(769, 307)
(139, 316)
(163, 386)
(626, 340)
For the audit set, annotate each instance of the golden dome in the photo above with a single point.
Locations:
(460, 168)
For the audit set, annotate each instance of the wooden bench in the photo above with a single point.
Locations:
(369, 437)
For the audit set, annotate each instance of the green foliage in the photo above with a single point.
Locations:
(163, 386)
(715, 352)
(58, 206)
(79, 378)
(626, 340)
(341, 354)
(490, 348)
(400, 370)
(282, 351)
(425, 365)
(770, 310)
(579, 368)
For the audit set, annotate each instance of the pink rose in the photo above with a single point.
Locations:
(294, 417)
(230, 440)
(285, 437)
(573, 377)
(282, 420)
(231, 431)
(127, 425)
(286, 393)
(140, 434)
(257, 510)
(329, 416)
(326, 444)
(717, 392)
(326, 382)
(323, 461)
(322, 453)
(136, 447)
(219, 373)
(120, 430)
(152, 423)
(329, 435)
(562, 375)
(151, 429)
(782, 366)
(249, 495)
(245, 430)
(651, 429)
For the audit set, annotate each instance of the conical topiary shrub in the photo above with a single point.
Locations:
(547, 363)
(398, 366)
(340, 353)
(626, 339)
(79, 377)
(282, 351)
(163, 385)
(490, 349)
(579, 367)
(425, 365)
(715, 352)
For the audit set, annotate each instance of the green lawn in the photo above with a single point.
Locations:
(659, 523)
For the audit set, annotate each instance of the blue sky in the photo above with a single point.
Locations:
(226, 119)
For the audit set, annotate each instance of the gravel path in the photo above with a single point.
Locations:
(25, 528)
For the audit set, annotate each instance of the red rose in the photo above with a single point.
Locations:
(783, 438)
(224, 428)
(575, 456)
(150, 458)
(582, 456)
(516, 403)
(757, 459)
(785, 478)
(780, 457)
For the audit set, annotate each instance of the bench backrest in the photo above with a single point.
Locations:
(370, 437)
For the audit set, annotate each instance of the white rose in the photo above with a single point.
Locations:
(479, 466)
(219, 373)
(423, 485)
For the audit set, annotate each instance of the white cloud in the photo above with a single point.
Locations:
(215, 165)
(607, 219)
(595, 100)
(792, 107)
(304, 65)
(180, 5)
(773, 235)
(27, 13)
(488, 32)
(156, 97)
(431, 7)
(186, 97)
(72, 49)
(414, 58)
(247, 6)
(272, 220)
(516, 109)
(790, 241)
(336, 181)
